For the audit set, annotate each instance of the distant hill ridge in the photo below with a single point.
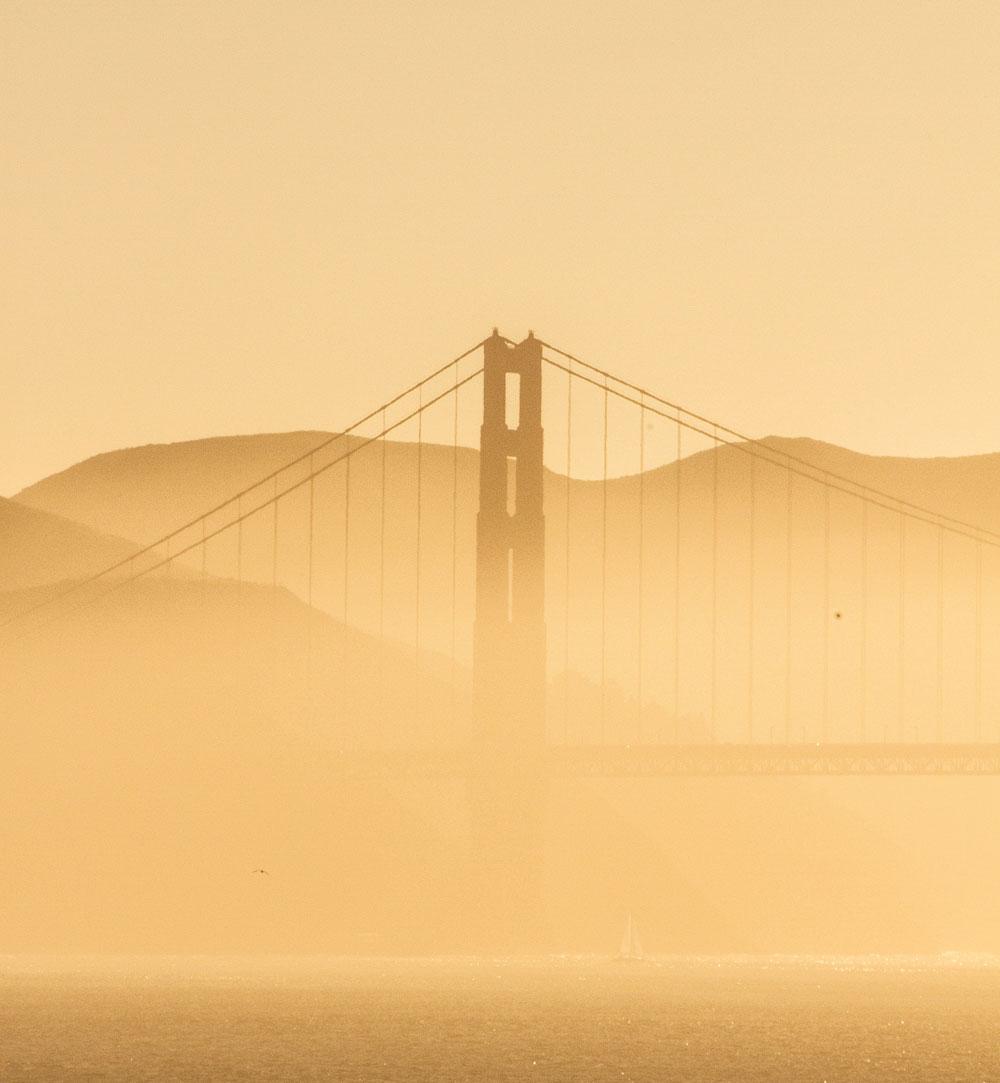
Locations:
(142, 492)
(147, 490)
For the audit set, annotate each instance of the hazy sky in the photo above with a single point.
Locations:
(233, 217)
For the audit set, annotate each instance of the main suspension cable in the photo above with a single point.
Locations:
(270, 502)
(746, 447)
(332, 438)
(785, 456)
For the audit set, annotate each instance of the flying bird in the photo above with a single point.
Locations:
(261, 872)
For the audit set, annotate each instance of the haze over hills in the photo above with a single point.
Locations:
(39, 547)
(160, 745)
(850, 568)
(157, 749)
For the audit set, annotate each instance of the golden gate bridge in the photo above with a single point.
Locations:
(722, 605)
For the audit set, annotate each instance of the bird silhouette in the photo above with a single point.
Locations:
(261, 872)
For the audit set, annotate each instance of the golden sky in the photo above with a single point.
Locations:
(235, 217)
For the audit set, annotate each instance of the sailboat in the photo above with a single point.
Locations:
(631, 949)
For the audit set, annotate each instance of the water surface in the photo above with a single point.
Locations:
(718, 1020)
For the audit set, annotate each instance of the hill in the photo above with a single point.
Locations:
(39, 547)
(141, 493)
(827, 558)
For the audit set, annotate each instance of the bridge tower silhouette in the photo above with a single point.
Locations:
(507, 790)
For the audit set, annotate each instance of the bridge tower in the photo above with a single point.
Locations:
(509, 671)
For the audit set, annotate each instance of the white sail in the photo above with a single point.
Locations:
(631, 946)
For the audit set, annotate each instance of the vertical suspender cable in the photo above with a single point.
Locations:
(383, 441)
(566, 606)
(642, 516)
(309, 539)
(715, 579)
(344, 633)
(454, 550)
(901, 634)
(751, 600)
(274, 552)
(939, 706)
(239, 543)
(977, 712)
(309, 582)
(347, 539)
(789, 552)
(825, 724)
(204, 576)
(381, 539)
(416, 607)
(239, 555)
(274, 577)
(677, 581)
(604, 570)
(863, 703)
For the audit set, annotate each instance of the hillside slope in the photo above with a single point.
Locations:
(39, 547)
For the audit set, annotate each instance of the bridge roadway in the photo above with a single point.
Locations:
(705, 760)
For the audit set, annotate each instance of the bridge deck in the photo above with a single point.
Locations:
(795, 759)
(653, 761)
